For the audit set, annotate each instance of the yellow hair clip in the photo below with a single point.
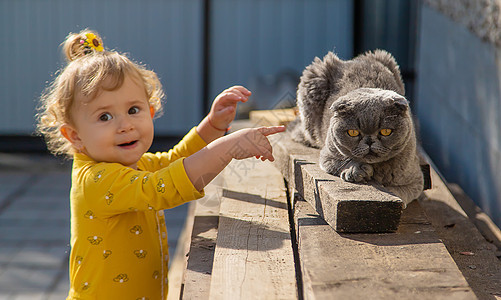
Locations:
(92, 42)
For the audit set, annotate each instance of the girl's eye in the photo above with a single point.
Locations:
(385, 132)
(105, 117)
(133, 110)
(353, 132)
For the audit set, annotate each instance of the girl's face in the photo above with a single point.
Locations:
(115, 126)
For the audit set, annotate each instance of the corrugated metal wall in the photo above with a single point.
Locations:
(248, 40)
(459, 107)
(165, 35)
(256, 41)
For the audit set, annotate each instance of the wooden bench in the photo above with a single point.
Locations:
(253, 236)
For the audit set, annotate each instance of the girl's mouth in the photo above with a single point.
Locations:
(127, 145)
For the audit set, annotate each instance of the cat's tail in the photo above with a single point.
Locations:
(318, 82)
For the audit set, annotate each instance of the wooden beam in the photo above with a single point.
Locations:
(253, 257)
(347, 207)
(409, 264)
(198, 273)
(473, 254)
(177, 267)
(273, 117)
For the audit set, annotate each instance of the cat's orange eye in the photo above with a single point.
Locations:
(353, 132)
(385, 132)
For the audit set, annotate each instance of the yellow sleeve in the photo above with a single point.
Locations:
(190, 144)
(111, 189)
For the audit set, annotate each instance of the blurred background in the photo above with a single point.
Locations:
(198, 48)
(448, 52)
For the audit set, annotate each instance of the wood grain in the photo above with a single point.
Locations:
(409, 264)
(253, 257)
(198, 273)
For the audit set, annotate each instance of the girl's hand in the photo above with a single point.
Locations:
(202, 166)
(224, 107)
(253, 142)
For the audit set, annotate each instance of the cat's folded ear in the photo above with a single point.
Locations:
(342, 106)
(400, 104)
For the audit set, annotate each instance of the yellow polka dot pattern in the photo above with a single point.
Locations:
(118, 235)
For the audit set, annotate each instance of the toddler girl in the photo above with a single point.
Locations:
(99, 111)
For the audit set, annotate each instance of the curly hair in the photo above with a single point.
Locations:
(85, 74)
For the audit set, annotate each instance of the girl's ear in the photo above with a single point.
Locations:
(152, 111)
(72, 136)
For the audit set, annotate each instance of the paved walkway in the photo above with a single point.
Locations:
(35, 229)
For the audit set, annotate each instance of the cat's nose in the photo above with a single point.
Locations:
(369, 141)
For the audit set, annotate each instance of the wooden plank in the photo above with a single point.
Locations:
(178, 265)
(197, 277)
(273, 117)
(347, 207)
(201, 255)
(477, 216)
(474, 256)
(253, 257)
(409, 264)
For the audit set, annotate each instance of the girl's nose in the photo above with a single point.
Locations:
(125, 124)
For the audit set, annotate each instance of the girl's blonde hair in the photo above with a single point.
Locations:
(85, 73)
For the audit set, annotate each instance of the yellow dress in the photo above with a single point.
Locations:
(118, 235)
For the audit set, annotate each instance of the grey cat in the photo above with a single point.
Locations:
(356, 113)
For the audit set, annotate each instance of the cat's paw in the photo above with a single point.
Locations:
(357, 173)
(368, 169)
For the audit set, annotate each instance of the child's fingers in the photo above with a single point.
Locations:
(242, 92)
(241, 89)
(265, 149)
(270, 159)
(231, 98)
(271, 130)
(266, 155)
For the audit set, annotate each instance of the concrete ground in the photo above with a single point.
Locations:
(35, 228)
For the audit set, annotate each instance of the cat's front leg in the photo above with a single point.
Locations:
(336, 164)
(408, 192)
(357, 172)
(332, 162)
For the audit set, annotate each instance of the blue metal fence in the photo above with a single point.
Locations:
(164, 35)
(248, 40)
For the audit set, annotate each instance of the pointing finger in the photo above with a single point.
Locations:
(271, 130)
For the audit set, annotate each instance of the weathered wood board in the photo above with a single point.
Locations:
(273, 117)
(347, 207)
(198, 274)
(474, 256)
(409, 264)
(177, 267)
(253, 257)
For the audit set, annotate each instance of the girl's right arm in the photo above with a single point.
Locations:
(204, 165)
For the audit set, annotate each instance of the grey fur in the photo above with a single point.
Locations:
(364, 94)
